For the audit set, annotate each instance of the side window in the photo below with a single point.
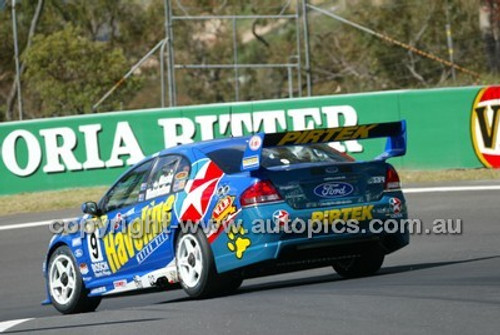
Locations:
(170, 175)
(181, 175)
(126, 191)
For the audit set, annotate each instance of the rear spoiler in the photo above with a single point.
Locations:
(394, 131)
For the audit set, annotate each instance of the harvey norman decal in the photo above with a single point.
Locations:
(53, 149)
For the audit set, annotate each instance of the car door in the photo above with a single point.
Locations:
(112, 248)
(169, 177)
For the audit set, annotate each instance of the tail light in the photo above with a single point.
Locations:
(261, 192)
(392, 181)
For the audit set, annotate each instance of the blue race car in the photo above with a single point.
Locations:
(208, 215)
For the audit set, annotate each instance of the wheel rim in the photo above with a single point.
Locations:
(189, 260)
(62, 279)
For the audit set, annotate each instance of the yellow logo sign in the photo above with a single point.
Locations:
(359, 213)
(327, 135)
(121, 246)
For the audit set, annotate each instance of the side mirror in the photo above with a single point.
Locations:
(90, 208)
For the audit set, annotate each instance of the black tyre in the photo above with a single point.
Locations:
(230, 283)
(66, 289)
(195, 265)
(366, 265)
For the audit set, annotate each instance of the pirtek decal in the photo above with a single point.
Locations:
(327, 135)
(141, 234)
(360, 213)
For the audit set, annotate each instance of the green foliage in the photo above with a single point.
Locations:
(348, 60)
(70, 73)
(83, 47)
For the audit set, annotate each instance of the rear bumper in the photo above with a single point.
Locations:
(277, 246)
(295, 257)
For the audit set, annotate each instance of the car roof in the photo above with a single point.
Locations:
(206, 146)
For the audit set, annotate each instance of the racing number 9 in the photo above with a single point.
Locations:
(94, 247)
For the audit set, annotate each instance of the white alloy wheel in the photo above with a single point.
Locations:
(189, 260)
(62, 279)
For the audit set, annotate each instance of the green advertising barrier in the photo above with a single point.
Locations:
(95, 149)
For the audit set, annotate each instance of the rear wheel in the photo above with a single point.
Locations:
(66, 289)
(195, 265)
(366, 265)
(230, 283)
(196, 268)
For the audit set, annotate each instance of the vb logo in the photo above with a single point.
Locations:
(484, 126)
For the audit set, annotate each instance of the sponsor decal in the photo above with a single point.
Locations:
(250, 161)
(76, 242)
(199, 191)
(485, 120)
(122, 283)
(141, 197)
(118, 220)
(161, 186)
(179, 185)
(237, 242)
(100, 269)
(78, 253)
(224, 208)
(255, 143)
(281, 217)
(84, 269)
(333, 190)
(143, 236)
(327, 135)
(223, 190)
(396, 205)
(151, 247)
(376, 180)
(98, 290)
(360, 213)
(181, 175)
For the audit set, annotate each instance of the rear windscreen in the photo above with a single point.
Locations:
(298, 154)
(229, 159)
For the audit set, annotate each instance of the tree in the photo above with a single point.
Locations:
(34, 23)
(489, 21)
(69, 72)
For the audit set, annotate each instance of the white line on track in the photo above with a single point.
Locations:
(31, 224)
(9, 324)
(451, 189)
(406, 190)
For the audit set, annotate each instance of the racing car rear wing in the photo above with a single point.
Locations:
(394, 131)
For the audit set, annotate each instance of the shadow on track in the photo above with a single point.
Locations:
(334, 277)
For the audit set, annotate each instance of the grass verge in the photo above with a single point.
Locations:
(73, 198)
(50, 200)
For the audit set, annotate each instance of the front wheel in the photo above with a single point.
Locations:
(66, 289)
(367, 264)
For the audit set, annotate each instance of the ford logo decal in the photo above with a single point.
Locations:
(333, 190)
